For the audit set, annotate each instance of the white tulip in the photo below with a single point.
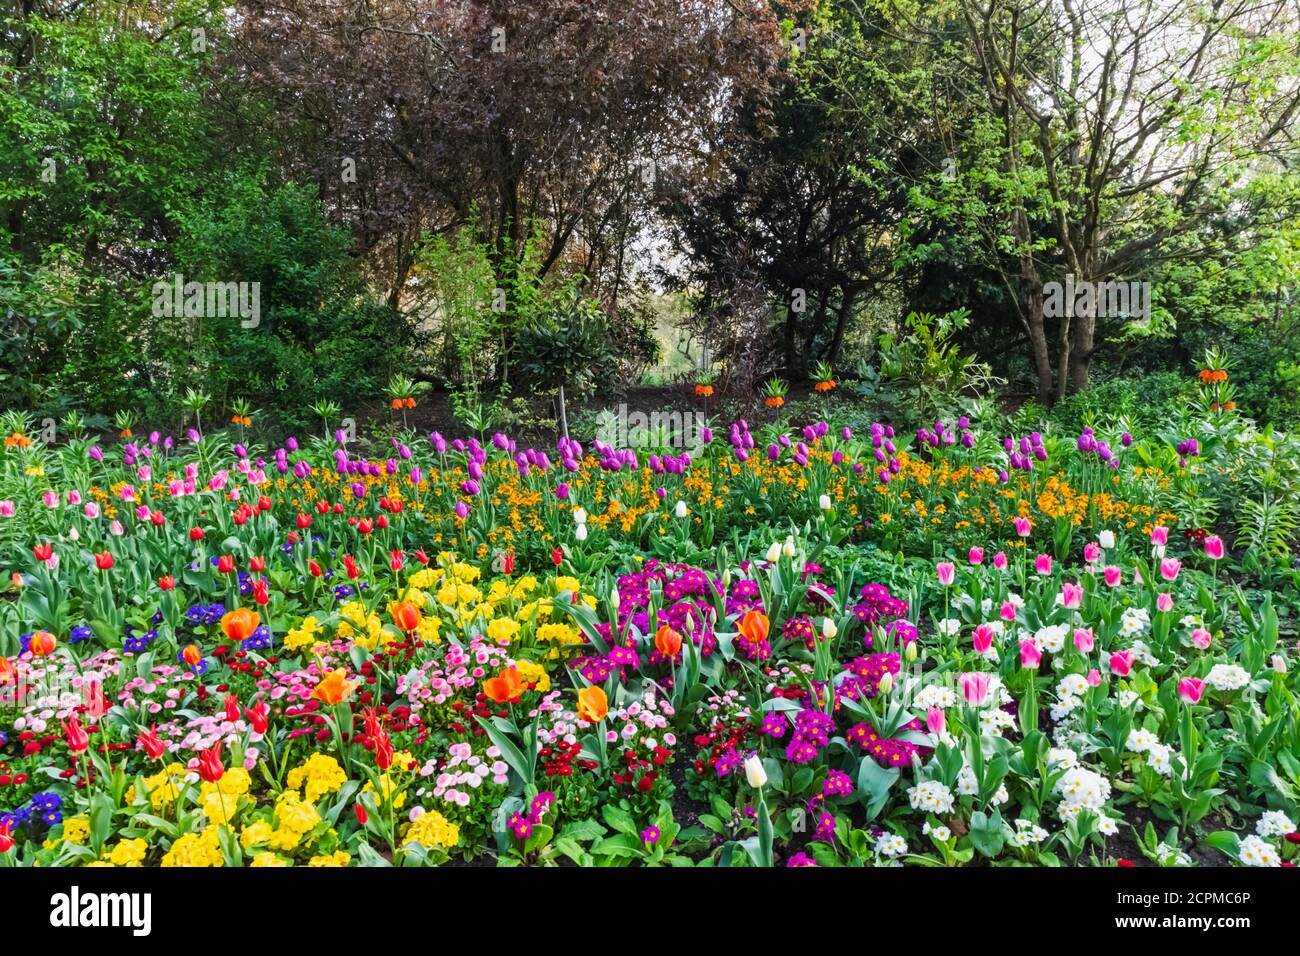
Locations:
(886, 683)
(614, 599)
(754, 772)
(829, 630)
(74, 534)
(824, 502)
(681, 509)
(1279, 663)
(788, 548)
(1106, 539)
(580, 516)
(581, 533)
(774, 552)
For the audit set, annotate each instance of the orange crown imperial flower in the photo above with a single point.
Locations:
(593, 705)
(334, 688)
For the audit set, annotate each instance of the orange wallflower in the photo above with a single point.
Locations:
(593, 705)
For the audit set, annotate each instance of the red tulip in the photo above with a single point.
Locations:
(78, 739)
(157, 518)
(259, 717)
(167, 583)
(151, 743)
(314, 568)
(225, 564)
(104, 560)
(263, 503)
(395, 560)
(43, 552)
(7, 841)
(196, 534)
(304, 521)
(508, 565)
(232, 708)
(322, 506)
(358, 809)
(260, 593)
(365, 526)
(382, 521)
(557, 556)
(210, 768)
(257, 563)
(384, 752)
(350, 563)
(422, 557)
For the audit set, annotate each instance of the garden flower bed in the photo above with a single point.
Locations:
(792, 647)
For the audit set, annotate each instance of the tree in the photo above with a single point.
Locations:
(1110, 131)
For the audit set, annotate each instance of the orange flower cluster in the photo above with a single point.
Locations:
(407, 402)
(1212, 376)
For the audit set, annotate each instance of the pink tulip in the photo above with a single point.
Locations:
(1159, 535)
(1094, 677)
(982, 639)
(975, 688)
(1071, 596)
(74, 497)
(7, 509)
(1030, 655)
(1084, 640)
(142, 513)
(1121, 663)
(1112, 576)
(1000, 561)
(935, 721)
(1169, 568)
(1190, 690)
(1043, 564)
(947, 571)
(1214, 547)
(976, 556)
(1201, 639)
(51, 499)
(116, 529)
(1023, 527)
(1008, 611)
(1092, 552)
(1164, 601)
(92, 510)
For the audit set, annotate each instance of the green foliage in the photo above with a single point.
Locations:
(567, 347)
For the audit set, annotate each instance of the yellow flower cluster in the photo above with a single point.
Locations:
(431, 829)
(306, 636)
(195, 849)
(320, 773)
(220, 800)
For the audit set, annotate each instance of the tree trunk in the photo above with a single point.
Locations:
(564, 417)
(841, 324)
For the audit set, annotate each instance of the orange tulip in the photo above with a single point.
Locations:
(405, 615)
(667, 641)
(240, 623)
(8, 674)
(754, 626)
(42, 644)
(506, 686)
(593, 705)
(334, 688)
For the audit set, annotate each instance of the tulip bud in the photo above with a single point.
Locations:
(681, 509)
(1279, 663)
(886, 683)
(829, 630)
(911, 652)
(755, 772)
(774, 552)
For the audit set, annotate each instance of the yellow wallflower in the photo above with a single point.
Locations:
(322, 775)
